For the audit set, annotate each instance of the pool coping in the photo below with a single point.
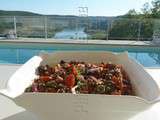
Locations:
(82, 42)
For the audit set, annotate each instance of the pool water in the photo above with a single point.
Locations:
(20, 53)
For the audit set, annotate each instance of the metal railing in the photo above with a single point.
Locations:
(73, 27)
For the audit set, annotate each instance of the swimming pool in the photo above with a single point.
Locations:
(21, 52)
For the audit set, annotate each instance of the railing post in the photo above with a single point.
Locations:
(45, 27)
(77, 24)
(107, 33)
(88, 25)
(109, 26)
(15, 26)
(96, 23)
(139, 30)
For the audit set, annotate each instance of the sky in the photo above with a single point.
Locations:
(70, 7)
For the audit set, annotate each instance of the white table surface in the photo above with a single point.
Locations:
(10, 111)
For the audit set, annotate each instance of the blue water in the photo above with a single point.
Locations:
(20, 53)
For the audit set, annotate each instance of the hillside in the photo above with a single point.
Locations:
(26, 13)
(17, 13)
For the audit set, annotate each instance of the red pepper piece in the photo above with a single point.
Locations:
(70, 81)
(45, 78)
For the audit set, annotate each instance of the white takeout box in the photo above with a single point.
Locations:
(66, 106)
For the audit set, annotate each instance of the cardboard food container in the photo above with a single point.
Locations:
(67, 106)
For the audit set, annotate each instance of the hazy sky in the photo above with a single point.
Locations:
(70, 7)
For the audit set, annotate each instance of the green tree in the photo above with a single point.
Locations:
(137, 24)
(146, 11)
(156, 9)
(124, 29)
(131, 14)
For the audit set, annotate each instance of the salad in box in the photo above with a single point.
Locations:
(80, 77)
(82, 85)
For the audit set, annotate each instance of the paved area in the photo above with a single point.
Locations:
(10, 111)
(5, 72)
(112, 42)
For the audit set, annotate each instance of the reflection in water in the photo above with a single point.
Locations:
(155, 56)
(147, 59)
